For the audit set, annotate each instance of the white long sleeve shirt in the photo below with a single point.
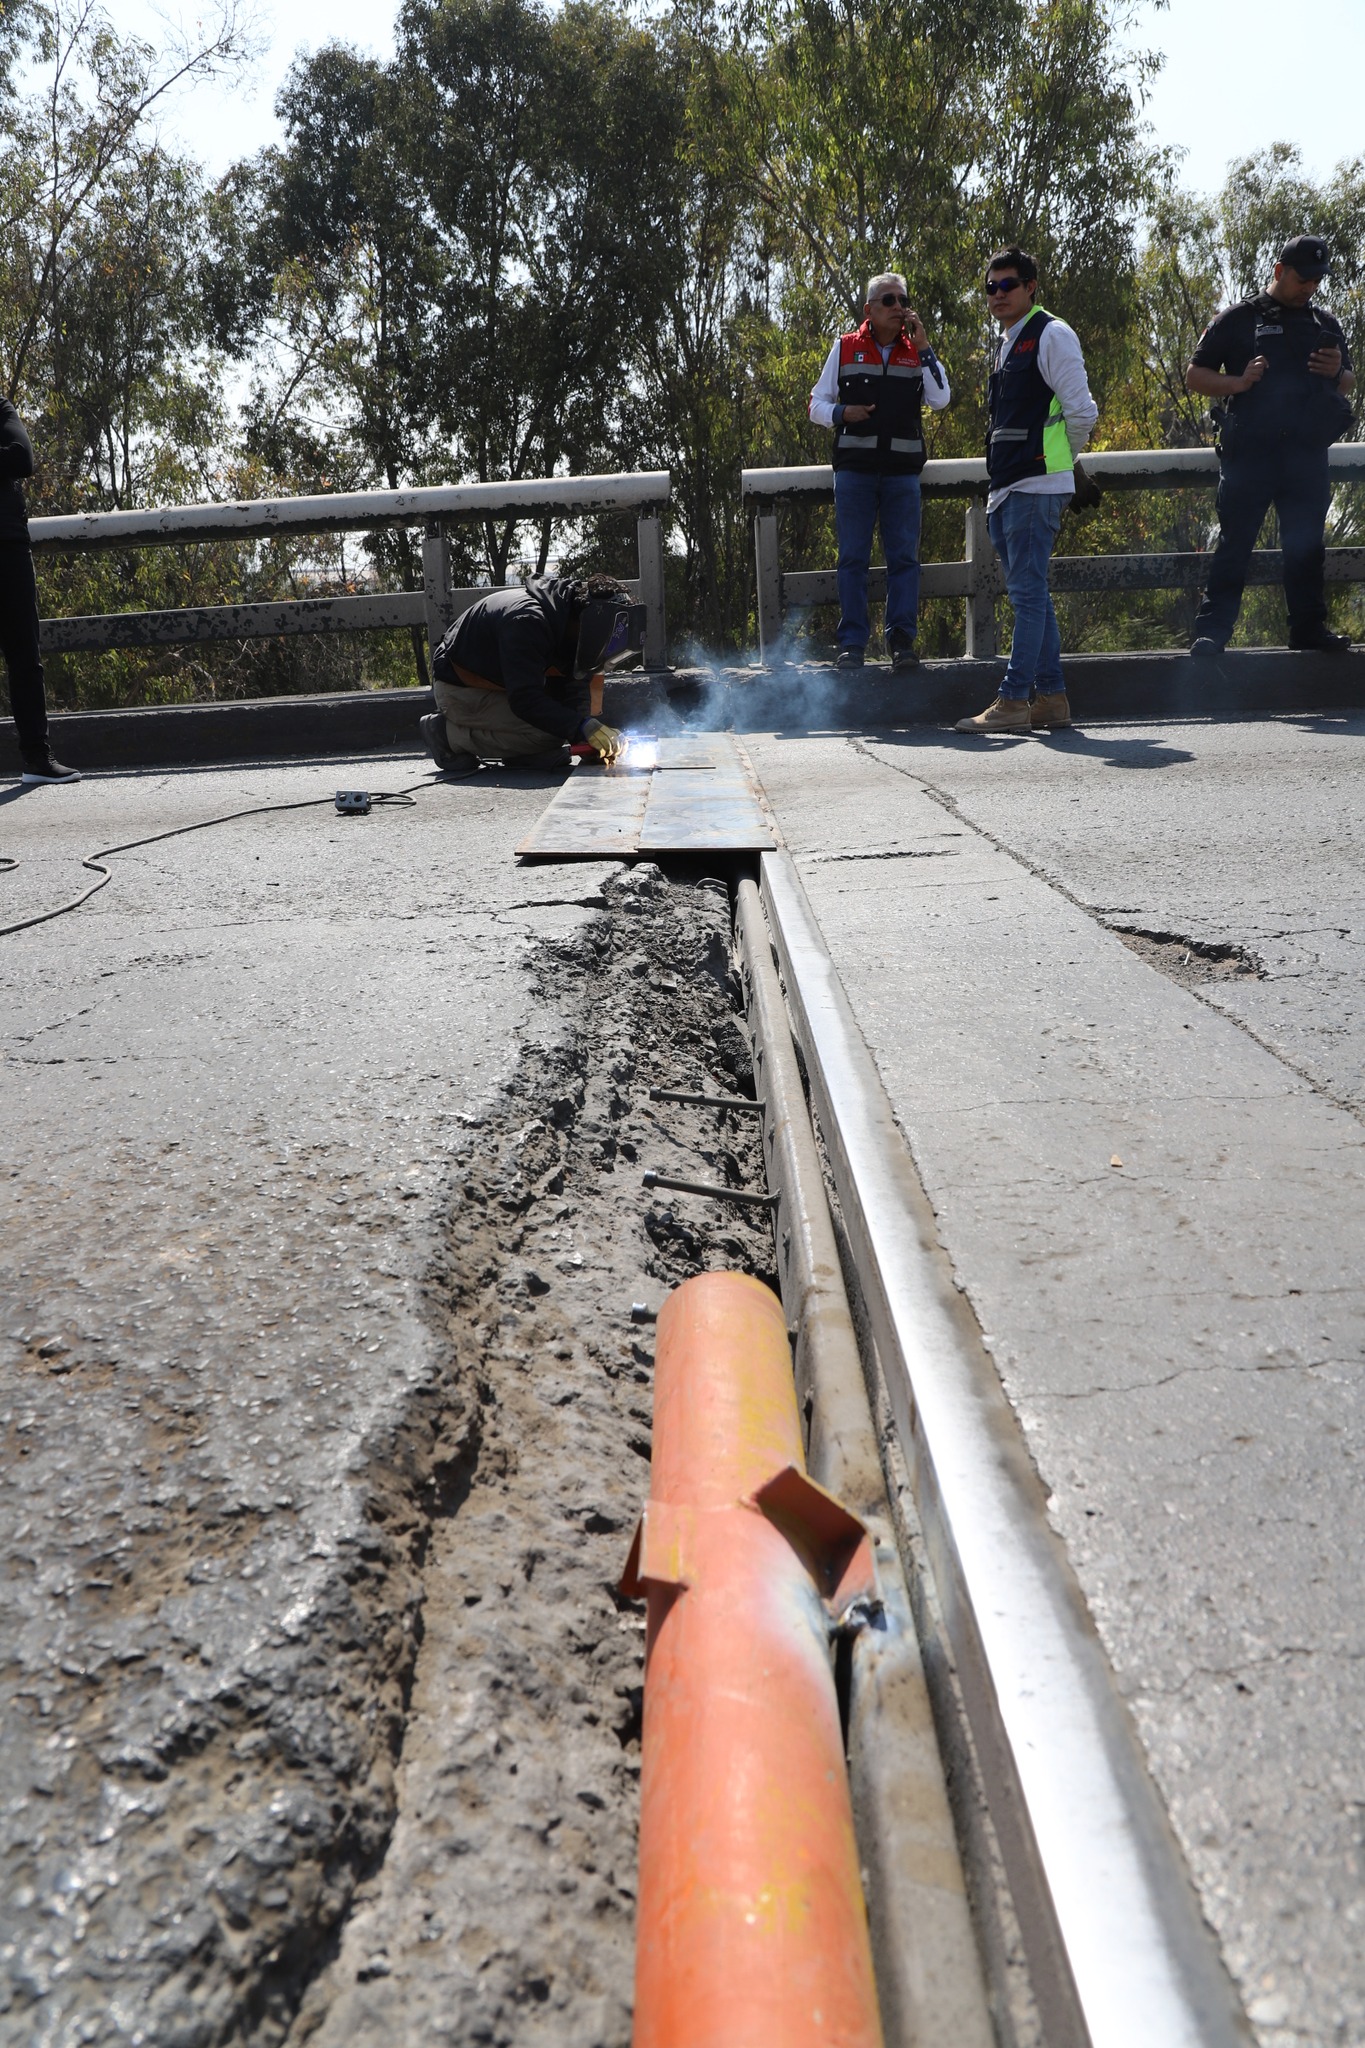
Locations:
(824, 395)
(1063, 367)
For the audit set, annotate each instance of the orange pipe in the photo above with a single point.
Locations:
(752, 1931)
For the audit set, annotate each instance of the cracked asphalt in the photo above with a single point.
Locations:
(235, 1081)
(232, 1085)
(1152, 1185)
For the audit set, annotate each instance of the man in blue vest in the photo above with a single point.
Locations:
(1283, 368)
(871, 391)
(1041, 416)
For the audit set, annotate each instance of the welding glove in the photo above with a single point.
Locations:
(1087, 492)
(604, 739)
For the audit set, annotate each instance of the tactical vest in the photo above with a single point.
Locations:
(891, 443)
(1027, 431)
(1290, 401)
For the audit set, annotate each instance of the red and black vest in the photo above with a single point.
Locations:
(891, 443)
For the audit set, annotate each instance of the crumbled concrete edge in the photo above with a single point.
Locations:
(504, 1910)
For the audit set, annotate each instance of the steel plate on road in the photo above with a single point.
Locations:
(700, 795)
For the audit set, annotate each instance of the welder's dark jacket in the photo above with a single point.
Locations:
(1026, 429)
(891, 443)
(522, 640)
(16, 462)
(1291, 402)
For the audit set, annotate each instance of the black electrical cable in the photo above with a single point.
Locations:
(93, 860)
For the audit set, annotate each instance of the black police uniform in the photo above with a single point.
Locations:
(18, 590)
(1273, 450)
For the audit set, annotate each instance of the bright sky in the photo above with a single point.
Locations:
(1236, 77)
(1239, 77)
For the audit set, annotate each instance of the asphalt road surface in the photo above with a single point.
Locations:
(1148, 1165)
(232, 1082)
(1112, 980)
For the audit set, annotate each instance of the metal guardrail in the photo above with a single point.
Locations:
(977, 578)
(433, 607)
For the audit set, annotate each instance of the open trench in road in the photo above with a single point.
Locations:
(502, 1908)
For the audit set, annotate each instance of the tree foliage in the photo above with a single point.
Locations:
(556, 239)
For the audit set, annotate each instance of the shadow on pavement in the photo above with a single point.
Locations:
(1136, 752)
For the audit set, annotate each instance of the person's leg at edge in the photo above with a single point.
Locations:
(1303, 498)
(1029, 522)
(1245, 483)
(855, 515)
(19, 645)
(901, 511)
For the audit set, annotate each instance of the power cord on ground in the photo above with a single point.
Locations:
(93, 861)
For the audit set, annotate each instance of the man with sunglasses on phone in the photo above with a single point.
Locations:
(518, 678)
(871, 391)
(1041, 416)
(1283, 369)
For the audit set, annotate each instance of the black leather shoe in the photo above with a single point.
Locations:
(42, 768)
(1206, 648)
(1321, 643)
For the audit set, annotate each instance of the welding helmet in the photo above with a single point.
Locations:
(611, 634)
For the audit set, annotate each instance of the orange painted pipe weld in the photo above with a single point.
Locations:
(752, 1931)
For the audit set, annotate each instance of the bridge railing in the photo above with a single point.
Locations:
(433, 509)
(978, 578)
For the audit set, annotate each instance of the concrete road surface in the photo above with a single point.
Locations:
(1113, 982)
(1147, 1159)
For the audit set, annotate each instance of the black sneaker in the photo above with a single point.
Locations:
(42, 768)
(904, 661)
(1321, 642)
(450, 760)
(849, 657)
(1205, 648)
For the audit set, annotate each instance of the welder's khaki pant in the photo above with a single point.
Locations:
(482, 722)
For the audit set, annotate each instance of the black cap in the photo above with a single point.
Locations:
(1307, 254)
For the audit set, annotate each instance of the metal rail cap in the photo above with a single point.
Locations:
(956, 478)
(1150, 469)
(343, 511)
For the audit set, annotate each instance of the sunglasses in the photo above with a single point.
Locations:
(893, 299)
(1001, 284)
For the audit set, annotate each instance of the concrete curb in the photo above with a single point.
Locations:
(1266, 682)
(1260, 683)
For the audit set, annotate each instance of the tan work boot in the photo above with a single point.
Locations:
(1050, 707)
(1007, 714)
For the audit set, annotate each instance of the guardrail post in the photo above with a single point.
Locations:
(650, 558)
(436, 582)
(768, 570)
(982, 577)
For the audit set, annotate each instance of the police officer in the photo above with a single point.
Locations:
(518, 678)
(875, 380)
(1283, 369)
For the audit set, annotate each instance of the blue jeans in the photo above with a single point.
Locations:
(1024, 532)
(859, 502)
